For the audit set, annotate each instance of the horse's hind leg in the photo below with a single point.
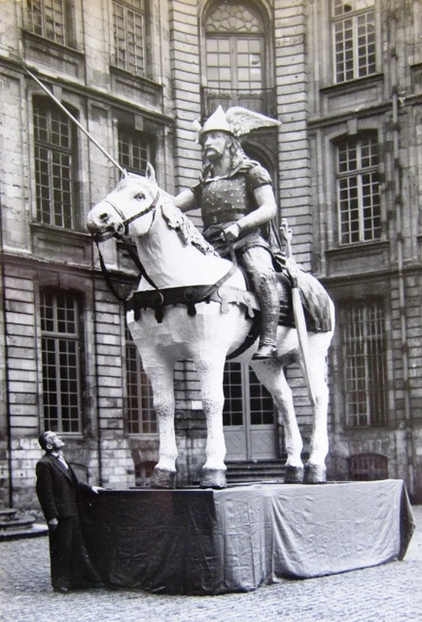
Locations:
(272, 377)
(315, 469)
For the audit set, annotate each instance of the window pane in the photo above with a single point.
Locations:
(261, 403)
(233, 405)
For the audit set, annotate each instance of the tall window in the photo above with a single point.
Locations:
(61, 373)
(234, 55)
(141, 416)
(53, 136)
(358, 193)
(135, 150)
(354, 39)
(48, 18)
(244, 393)
(129, 35)
(364, 356)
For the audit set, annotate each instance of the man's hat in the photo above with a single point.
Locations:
(236, 121)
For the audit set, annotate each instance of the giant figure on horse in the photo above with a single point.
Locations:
(194, 301)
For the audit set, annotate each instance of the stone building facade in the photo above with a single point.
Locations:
(345, 79)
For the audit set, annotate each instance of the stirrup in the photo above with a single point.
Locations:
(264, 352)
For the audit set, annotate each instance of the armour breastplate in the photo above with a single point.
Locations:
(223, 200)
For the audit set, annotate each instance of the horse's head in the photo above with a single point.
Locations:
(134, 199)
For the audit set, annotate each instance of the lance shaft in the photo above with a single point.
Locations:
(81, 127)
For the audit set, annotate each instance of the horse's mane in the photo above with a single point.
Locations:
(185, 228)
(175, 218)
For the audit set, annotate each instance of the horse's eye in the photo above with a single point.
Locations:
(139, 196)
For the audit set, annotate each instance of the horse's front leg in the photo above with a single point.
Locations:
(211, 374)
(160, 374)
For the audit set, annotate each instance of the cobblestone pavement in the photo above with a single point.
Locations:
(387, 593)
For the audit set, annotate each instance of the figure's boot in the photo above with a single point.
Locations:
(268, 300)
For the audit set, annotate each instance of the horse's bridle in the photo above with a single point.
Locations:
(124, 225)
(121, 235)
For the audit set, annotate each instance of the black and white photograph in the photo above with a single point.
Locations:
(210, 310)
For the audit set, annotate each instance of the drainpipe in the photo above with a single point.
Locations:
(398, 200)
(6, 365)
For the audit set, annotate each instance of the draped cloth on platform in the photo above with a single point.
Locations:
(193, 541)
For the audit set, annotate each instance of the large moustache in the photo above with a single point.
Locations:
(214, 149)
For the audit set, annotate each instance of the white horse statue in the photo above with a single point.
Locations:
(194, 305)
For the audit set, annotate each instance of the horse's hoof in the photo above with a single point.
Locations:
(315, 474)
(161, 478)
(293, 475)
(213, 478)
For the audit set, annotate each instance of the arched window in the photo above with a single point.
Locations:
(368, 467)
(235, 57)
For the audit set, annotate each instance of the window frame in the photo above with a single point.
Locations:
(249, 391)
(140, 415)
(126, 135)
(58, 186)
(61, 376)
(371, 388)
(67, 38)
(259, 99)
(139, 66)
(367, 199)
(354, 15)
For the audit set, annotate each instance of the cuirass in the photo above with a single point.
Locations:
(224, 200)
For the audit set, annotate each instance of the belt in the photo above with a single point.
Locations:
(220, 217)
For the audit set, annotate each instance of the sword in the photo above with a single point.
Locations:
(293, 270)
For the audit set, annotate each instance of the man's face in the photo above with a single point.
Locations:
(55, 441)
(214, 144)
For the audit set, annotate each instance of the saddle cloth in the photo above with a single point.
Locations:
(315, 301)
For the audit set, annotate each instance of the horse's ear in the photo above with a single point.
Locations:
(150, 172)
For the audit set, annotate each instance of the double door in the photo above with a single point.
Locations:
(249, 418)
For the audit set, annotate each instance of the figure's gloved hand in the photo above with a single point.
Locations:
(96, 489)
(53, 524)
(231, 233)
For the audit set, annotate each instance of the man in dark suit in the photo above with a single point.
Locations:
(57, 490)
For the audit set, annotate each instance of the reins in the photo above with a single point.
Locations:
(128, 246)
